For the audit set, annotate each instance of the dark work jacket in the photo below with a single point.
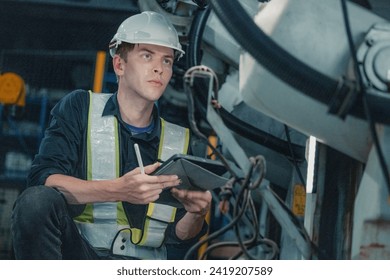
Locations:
(63, 151)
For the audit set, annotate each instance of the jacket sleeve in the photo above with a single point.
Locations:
(61, 148)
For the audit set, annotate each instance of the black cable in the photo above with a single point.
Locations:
(236, 228)
(243, 128)
(295, 162)
(221, 231)
(242, 195)
(246, 200)
(367, 109)
(195, 129)
(264, 241)
(258, 164)
(262, 138)
(256, 227)
(254, 241)
(195, 35)
(246, 245)
(214, 246)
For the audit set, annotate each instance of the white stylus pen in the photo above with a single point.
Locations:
(139, 158)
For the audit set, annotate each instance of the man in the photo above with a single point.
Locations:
(87, 197)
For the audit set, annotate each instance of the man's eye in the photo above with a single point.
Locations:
(147, 56)
(167, 61)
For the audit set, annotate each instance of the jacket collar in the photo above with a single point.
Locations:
(112, 109)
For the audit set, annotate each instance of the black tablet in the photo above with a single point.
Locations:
(196, 174)
(214, 166)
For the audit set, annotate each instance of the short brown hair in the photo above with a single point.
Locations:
(123, 49)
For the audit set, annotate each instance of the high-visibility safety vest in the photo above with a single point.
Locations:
(105, 225)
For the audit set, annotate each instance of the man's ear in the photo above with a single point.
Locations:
(117, 64)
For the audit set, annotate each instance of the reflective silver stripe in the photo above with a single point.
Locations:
(154, 231)
(99, 235)
(103, 155)
(174, 140)
(159, 212)
(123, 246)
(102, 139)
(159, 217)
(105, 212)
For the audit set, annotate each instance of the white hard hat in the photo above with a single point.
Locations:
(147, 28)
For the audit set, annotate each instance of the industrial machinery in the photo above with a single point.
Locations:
(297, 94)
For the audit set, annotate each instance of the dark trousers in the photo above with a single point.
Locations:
(43, 229)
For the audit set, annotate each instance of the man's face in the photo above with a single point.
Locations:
(146, 72)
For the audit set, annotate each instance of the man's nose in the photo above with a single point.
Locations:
(158, 68)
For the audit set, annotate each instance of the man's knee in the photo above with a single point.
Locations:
(36, 201)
